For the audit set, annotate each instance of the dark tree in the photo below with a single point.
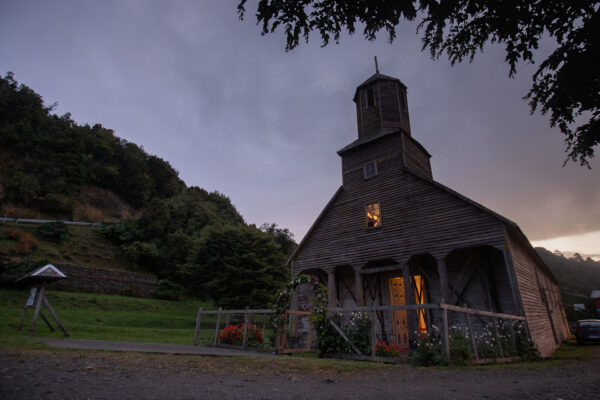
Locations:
(566, 84)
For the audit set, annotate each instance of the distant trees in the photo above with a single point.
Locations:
(196, 242)
(48, 157)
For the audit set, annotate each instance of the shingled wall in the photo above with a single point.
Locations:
(96, 280)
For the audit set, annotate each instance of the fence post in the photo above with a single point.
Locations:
(217, 327)
(445, 333)
(373, 328)
(244, 340)
(197, 326)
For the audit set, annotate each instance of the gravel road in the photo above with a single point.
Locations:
(44, 374)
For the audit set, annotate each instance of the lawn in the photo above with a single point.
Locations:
(105, 317)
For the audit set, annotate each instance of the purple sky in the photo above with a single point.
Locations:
(233, 112)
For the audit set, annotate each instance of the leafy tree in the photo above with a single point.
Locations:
(282, 236)
(237, 266)
(566, 84)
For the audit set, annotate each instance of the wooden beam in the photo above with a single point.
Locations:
(217, 327)
(339, 330)
(443, 274)
(445, 336)
(197, 331)
(55, 316)
(472, 336)
(38, 306)
(246, 320)
(358, 284)
(331, 289)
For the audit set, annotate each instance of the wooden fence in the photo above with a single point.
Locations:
(371, 311)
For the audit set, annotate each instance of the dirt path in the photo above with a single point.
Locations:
(45, 374)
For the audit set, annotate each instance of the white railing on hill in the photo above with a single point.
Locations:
(45, 221)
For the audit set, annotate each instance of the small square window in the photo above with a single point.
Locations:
(373, 215)
(370, 169)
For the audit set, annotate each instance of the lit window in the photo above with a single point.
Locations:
(373, 215)
(370, 98)
(370, 170)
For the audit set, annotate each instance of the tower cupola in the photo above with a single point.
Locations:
(381, 106)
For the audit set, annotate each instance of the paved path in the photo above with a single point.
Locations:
(148, 347)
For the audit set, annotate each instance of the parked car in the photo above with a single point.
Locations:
(587, 330)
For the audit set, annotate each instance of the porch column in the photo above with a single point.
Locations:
(443, 273)
(331, 288)
(360, 294)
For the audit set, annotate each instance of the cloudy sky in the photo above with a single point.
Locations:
(233, 112)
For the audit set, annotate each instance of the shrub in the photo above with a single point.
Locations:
(26, 243)
(57, 204)
(428, 348)
(383, 349)
(357, 330)
(460, 347)
(57, 231)
(168, 290)
(234, 334)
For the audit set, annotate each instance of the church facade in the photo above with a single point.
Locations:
(392, 235)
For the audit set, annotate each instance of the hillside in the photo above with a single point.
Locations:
(194, 241)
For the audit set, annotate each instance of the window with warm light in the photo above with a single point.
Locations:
(373, 213)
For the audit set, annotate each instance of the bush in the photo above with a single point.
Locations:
(234, 334)
(57, 204)
(383, 349)
(57, 231)
(460, 347)
(358, 331)
(168, 290)
(26, 244)
(428, 348)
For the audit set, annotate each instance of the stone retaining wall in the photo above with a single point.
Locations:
(96, 280)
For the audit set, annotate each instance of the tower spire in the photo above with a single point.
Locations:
(376, 65)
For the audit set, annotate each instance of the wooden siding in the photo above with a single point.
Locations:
(417, 216)
(370, 116)
(415, 158)
(539, 293)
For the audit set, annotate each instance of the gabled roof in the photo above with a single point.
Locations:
(46, 273)
(314, 225)
(374, 78)
(418, 176)
(367, 139)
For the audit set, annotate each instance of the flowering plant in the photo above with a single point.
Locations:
(383, 349)
(233, 334)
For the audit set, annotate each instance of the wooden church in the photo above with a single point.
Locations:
(392, 235)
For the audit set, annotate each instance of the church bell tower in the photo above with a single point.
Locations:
(381, 106)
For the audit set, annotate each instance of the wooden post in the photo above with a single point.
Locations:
(412, 323)
(443, 274)
(55, 316)
(331, 289)
(217, 327)
(47, 322)
(197, 332)
(373, 331)
(472, 336)
(227, 319)
(38, 306)
(245, 337)
(445, 334)
(360, 293)
(23, 315)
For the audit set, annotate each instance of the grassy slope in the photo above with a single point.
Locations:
(104, 317)
(84, 247)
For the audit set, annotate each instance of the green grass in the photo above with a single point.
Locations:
(104, 317)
